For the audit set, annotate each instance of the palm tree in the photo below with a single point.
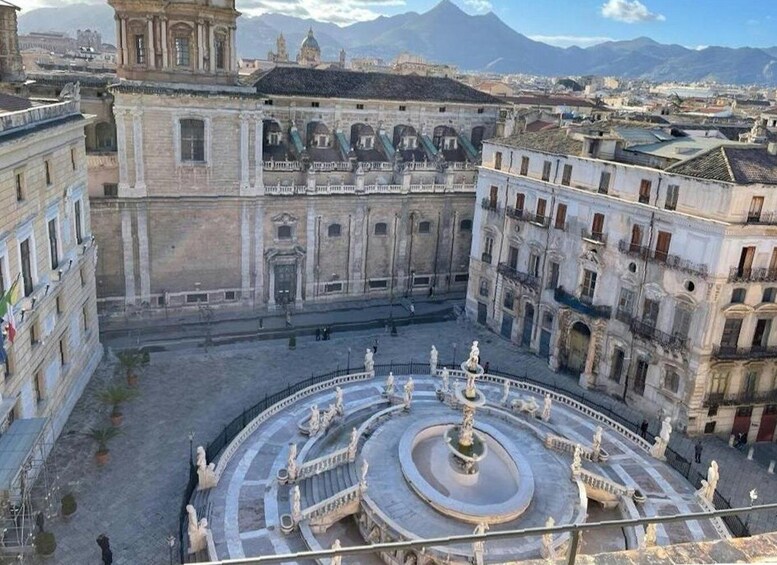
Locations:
(130, 360)
(102, 436)
(114, 396)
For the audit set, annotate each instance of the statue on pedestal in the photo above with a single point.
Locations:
(197, 531)
(296, 504)
(659, 447)
(328, 418)
(650, 535)
(339, 405)
(388, 390)
(352, 444)
(206, 473)
(466, 433)
(546, 404)
(470, 391)
(291, 462)
(596, 445)
(314, 422)
(445, 384)
(548, 551)
(479, 547)
(409, 388)
(474, 358)
(336, 559)
(577, 460)
(708, 485)
(369, 363)
(505, 392)
(363, 478)
(433, 361)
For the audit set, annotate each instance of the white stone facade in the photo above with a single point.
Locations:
(632, 293)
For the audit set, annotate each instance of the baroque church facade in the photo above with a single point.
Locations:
(303, 185)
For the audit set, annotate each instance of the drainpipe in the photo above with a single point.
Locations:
(501, 245)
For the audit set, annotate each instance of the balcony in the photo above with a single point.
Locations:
(598, 238)
(491, 206)
(486, 258)
(739, 398)
(650, 332)
(525, 216)
(563, 297)
(517, 276)
(737, 274)
(751, 352)
(671, 261)
(763, 219)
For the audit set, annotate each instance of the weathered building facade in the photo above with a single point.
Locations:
(647, 270)
(304, 185)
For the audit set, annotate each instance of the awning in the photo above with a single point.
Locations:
(16, 446)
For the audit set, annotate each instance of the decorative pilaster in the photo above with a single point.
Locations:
(258, 253)
(129, 254)
(245, 181)
(137, 143)
(200, 46)
(312, 244)
(211, 47)
(119, 43)
(143, 254)
(163, 41)
(151, 51)
(232, 51)
(124, 46)
(258, 155)
(245, 250)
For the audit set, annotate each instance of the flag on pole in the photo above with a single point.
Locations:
(6, 309)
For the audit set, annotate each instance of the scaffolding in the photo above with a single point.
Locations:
(28, 489)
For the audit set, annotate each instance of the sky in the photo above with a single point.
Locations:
(691, 23)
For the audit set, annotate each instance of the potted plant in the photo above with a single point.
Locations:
(45, 544)
(68, 505)
(113, 396)
(102, 436)
(293, 341)
(131, 360)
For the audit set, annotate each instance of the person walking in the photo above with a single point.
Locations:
(318, 334)
(643, 428)
(486, 367)
(375, 346)
(412, 309)
(288, 318)
(431, 291)
(105, 549)
(697, 449)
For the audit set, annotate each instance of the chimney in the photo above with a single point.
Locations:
(771, 148)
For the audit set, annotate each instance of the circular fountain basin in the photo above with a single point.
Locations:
(501, 490)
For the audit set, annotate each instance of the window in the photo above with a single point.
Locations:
(489, 245)
(719, 383)
(25, 249)
(671, 380)
(221, 48)
(756, 205)
(640, 376)
(746, 261)
(465, 225)
(512, 257)
(750, 383)
(34, 333)
(192, 140)
(589, 286)
(561, 216)
(604, 182)
(334, 230)
(19, 186)
(315, 104)
(195, 298)
(520, 200)
(709, 427)
(268, 102)
(366, 141)
(77, 215)
(84, 319)
(82, 276)
(60, 302)
(509, 299)
(38, 382)
(229, 295)
(626, 302)
(763, 328)
(381, 228)
(378, 284)
(541, 205)
(534, 265)
(672, 192)
(554, 274)
(650, 312)
(63, 351)
(481, 110)
(424, 227)
(546, 170)
(616, 369)
(47, 171)
(662, 245)
(566, 175)
(524, 166)
(636, 239)
(483, 287)
(493, 197)
(53, 244)
(182, 52)
(461, 278)
(681, 325)
(441, 109)
(140, 50)
(110, 189)
(597, 227)
(333, 287)
(498, 160)
(73, 158)
(730, 337)
(402, 108)
(769, 294)
(360, 106)
(738, 295)
(644, 191)
(420, 281)
(284, 232)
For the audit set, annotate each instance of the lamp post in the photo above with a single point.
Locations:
(348, 370)
(454, 353)
(191, 448)
(171, 545)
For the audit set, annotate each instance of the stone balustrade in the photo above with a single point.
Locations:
(299, 189)
(282, 166)
(332, 504)
(565, 445)
(324, 463)
(599, 482)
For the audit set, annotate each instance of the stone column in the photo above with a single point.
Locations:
(124, 46)
(200, 46)
(121, 145)
(258, 253)
(150, 51)
(245, 181)
(232, 50)
(298, 296)
(258, 157)
(137, 142)
(271, 290)
(310, 255)
(119, 43)
(163, 41)
(143, 254)
(358, 239)
(129, 256)
(211, 47)
(245, 251)
(587, 376)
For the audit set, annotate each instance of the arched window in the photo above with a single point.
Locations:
(181, 45)
(465, 225)
(381, 228)
(284, 232)
(192, 140)
(424, 227)
(334, 230)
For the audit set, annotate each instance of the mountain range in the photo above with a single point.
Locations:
(446, 34)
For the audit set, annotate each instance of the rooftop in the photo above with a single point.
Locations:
(549, 100)
(556, 141)
(11, 103)
(331, 83)
(742, 165)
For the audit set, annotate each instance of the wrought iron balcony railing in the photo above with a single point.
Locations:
(519, 277)
(486, 258)
(650, 332)
(526, 216)
(737, 274)
(671, 261)
(491, 206)
(581, 305)
(740, 398)
(597, 237)
(751, 352)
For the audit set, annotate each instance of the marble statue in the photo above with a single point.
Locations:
(466, 432)
(198, 540)
(296, 504)
(662, 440)
(352, 445)
(708, 485)
(505, 392)
(548, 551)
(666, 430)
(369, 363)
(291, 462)
(577, 460)
(314, 422)
(650, 535)
(546, 404)
(339, 405)
(336, 559)
(445, 383)
(363, 480)
(328, 418)
(474, 357)
(433, 361)
(388, 390)
(528, 405)
(409, 388)
(479, 547)
(470, 392)
(206, 473)
(596, 446)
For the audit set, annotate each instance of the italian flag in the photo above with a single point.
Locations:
(6, 310)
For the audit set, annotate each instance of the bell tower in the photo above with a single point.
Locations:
(11, 68)
(176, 41)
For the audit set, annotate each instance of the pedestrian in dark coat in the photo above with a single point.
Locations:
(697, 449)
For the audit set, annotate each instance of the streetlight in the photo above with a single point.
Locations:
(454, 353)
(171, 545)
(191, 448)
(348, 370)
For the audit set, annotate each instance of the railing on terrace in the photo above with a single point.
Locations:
(671, 261)
(526, 216)
(517, 276)
(764, 219)
(649, 331)
(377, 166)
(491, 206)
(419, 166)
(331, 166)
(281, 190)
(333, 503)
(751, 352)
(740, 398)
(581, 305)
(596, 481)
(565, 445)
(282, 166)
(597, 237)
(323, 463)
(737, 274)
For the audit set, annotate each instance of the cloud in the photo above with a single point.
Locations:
(570, 40)
(341, 12)
(479, 5)
(629, 11)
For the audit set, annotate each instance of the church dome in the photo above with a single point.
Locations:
(310, 42)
